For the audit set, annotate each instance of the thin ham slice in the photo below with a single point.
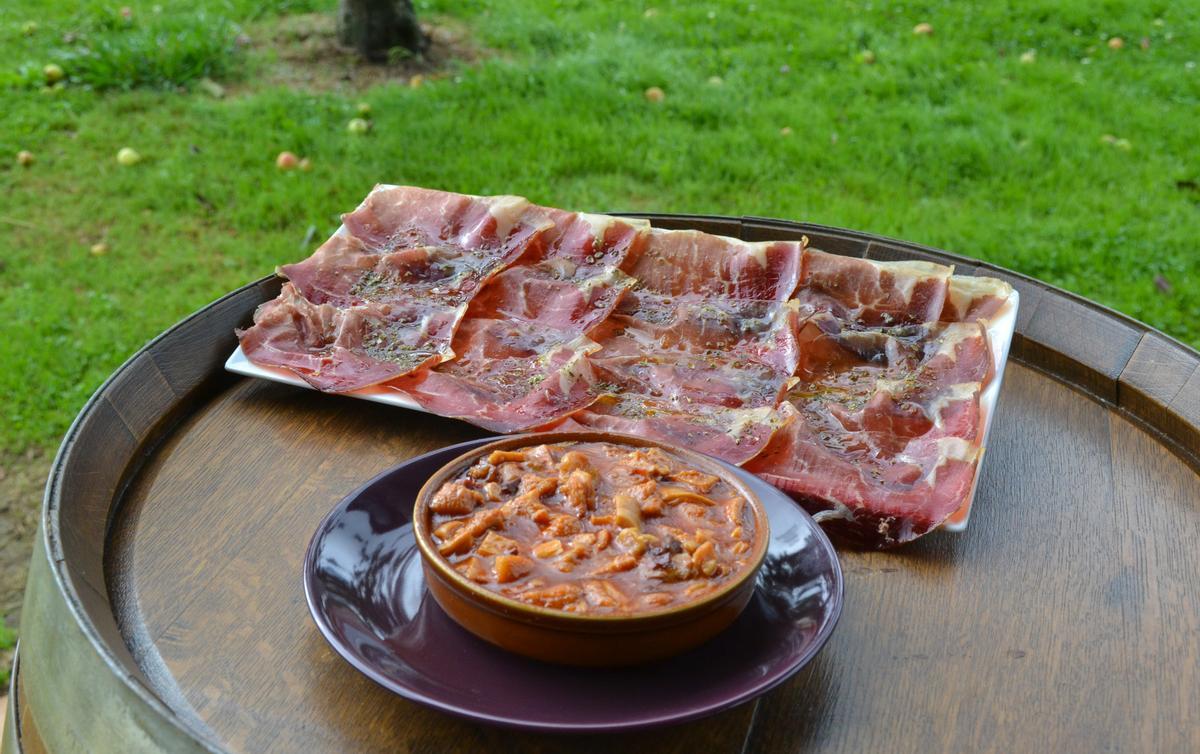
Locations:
(705, 372)
(396, 290)
(733, 434)
(571, 279)
(691, 263)
(974, 299)
(340, 349)
(400, 217)
(727, 352)
(881, 433)
(508, 377)
(522, 348)
(873, 293)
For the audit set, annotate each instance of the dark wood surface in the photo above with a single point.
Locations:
(1067, 616)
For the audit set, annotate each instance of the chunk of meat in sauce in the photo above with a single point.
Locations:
(579, 490)
(698, 480)
(455, 498)
(648, 462)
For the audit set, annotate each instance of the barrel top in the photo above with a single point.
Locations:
(183, 498)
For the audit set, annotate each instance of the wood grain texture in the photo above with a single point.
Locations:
(1083, 345)
(98, 458)
(1152, 387)
(186, 357)
(1185, 413)
(1155, 591)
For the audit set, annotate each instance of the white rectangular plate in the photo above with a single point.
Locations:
(999, 331)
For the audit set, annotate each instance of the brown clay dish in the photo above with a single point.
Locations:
(595, 637)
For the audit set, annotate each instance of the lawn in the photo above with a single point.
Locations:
(1013, 133)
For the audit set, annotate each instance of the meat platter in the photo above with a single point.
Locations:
(864, 389)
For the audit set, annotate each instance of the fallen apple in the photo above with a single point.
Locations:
(286, 161)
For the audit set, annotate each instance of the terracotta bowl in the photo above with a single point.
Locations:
(581, 639)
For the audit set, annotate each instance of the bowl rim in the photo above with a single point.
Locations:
(508, 606)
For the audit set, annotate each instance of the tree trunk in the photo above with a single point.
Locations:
(375, 27)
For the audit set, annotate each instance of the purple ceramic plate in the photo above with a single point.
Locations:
(366, 591)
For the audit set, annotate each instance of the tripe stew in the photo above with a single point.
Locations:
(593, 527)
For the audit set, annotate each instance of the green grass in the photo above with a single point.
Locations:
(8, 640)
(948, 140)
(107, 51)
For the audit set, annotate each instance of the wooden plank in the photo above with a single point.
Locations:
(141, 396)
(1079, 344)
(1157, 371)
(203, 341)
(8, 721)
(1184, 419)
(1155, 592)
(30, 738)
(1154, 377)
(94, 465)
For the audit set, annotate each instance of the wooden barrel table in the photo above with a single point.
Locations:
(165, 612)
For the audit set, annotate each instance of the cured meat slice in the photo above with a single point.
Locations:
(571, 278)
(858, 509)
(507, 377)
(344, 272)
(531, 294)
(974, 299)
(873, 293)
(401, 217)
(592, 241)
(701, 354)
(400, 293)
(691, 263)
(727, 352)
(733, 434)
(521, 349)
(882, 431)
(704, 372)
(336, 350)
(407, 243)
